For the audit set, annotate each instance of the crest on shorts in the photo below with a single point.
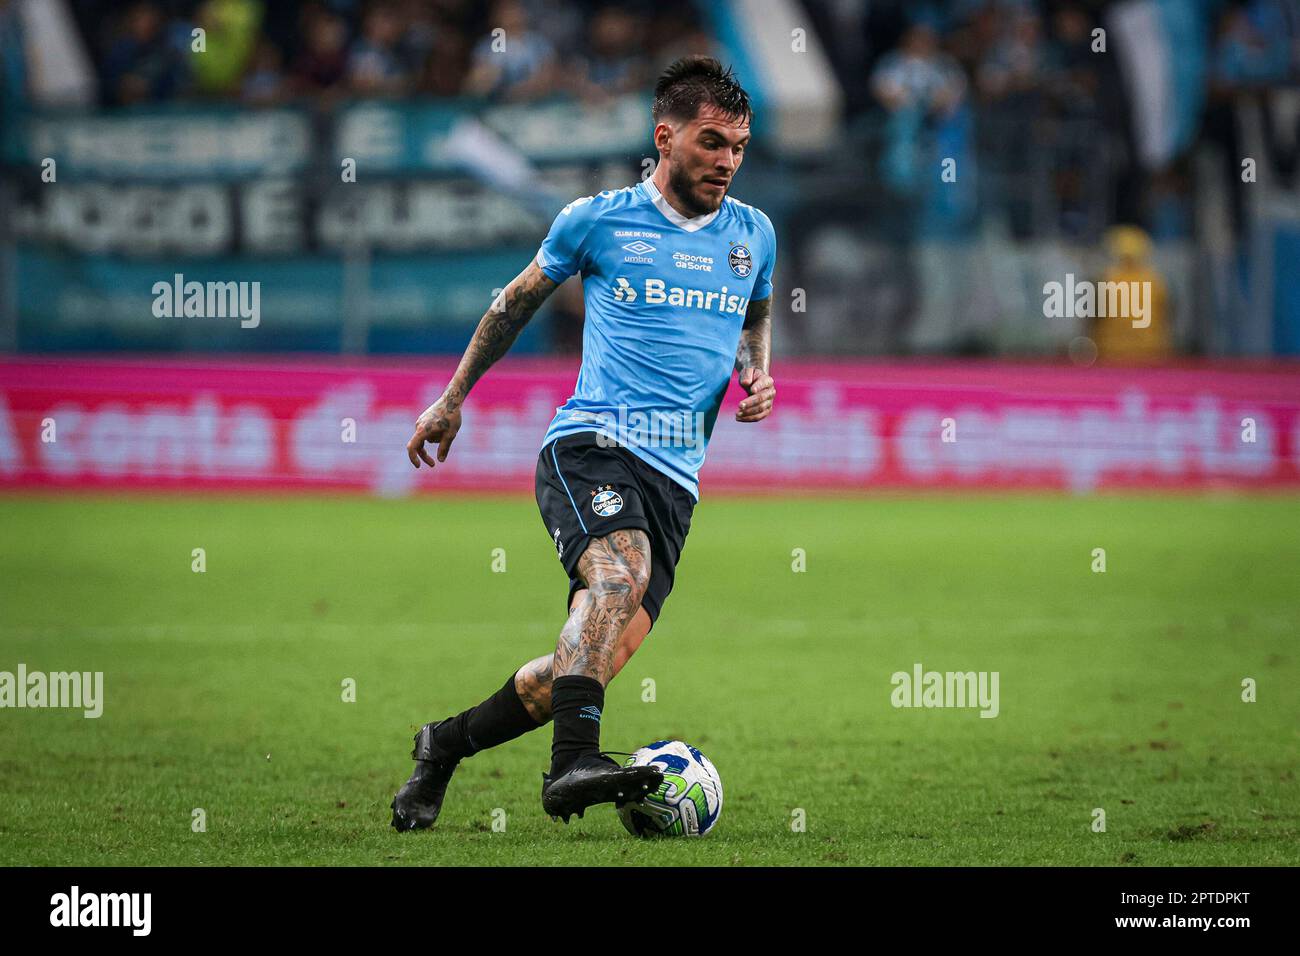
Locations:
(605, 501)
(740, 260)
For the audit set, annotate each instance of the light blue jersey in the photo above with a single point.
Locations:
(666, 299)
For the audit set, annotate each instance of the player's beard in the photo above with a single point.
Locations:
(684, 187)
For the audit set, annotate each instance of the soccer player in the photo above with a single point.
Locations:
(677, 279)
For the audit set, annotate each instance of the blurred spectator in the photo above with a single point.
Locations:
(921, 87)
(918, 76)
(1116, 337)
(1073, 89)
(460, 25)
(232, 31)
(614, 62)
(1010, 78)
(265, 82)
(13, 75)
(375, 66)
(564, 23)
(142, 63)
(420, 30)
(975, 34)
(1074, 81)
(1012, 68)
(1252, 46)
(323, 60)
(514, 61)
(447, 65)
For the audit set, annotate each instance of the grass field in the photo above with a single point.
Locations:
(1119, 691)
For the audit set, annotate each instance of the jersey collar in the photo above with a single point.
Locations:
(692, 224)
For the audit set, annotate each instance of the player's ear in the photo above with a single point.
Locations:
(664, 138)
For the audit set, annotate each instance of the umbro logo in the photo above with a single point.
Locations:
(639, 247)
(590, 712)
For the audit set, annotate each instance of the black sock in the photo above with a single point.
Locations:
(576, 703)
(500, 718)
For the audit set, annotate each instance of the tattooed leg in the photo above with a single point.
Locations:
(533, 680)
(616, 570)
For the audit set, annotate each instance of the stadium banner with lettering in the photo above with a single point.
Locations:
(299, 426)
(185, 143)
(400, 219)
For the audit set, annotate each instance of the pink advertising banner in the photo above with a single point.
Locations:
(260, 424)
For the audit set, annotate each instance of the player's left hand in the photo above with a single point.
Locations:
(762, 393)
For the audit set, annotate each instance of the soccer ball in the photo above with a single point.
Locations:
(687, 803)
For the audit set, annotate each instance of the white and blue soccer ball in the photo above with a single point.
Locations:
(687, 803)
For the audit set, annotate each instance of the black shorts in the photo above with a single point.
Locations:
(586, 491)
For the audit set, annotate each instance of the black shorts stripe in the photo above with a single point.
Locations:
(560, 473)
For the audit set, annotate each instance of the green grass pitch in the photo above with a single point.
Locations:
(223, 690)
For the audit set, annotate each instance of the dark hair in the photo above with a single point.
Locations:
(695, 80)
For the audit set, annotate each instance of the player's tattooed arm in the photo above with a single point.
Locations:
(754, 350)
(496, 332)
(500, 326)
(616, 569)
(753, 355)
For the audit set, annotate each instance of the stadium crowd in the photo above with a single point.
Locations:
(1058, 143)
(261, 52)
(978, 76)
(890, 55)
(997, 75)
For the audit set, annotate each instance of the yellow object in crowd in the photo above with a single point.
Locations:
(1116, 337)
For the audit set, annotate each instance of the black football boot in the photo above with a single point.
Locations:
(594, 779)
(419, 802)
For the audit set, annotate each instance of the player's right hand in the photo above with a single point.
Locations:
(437, 425)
